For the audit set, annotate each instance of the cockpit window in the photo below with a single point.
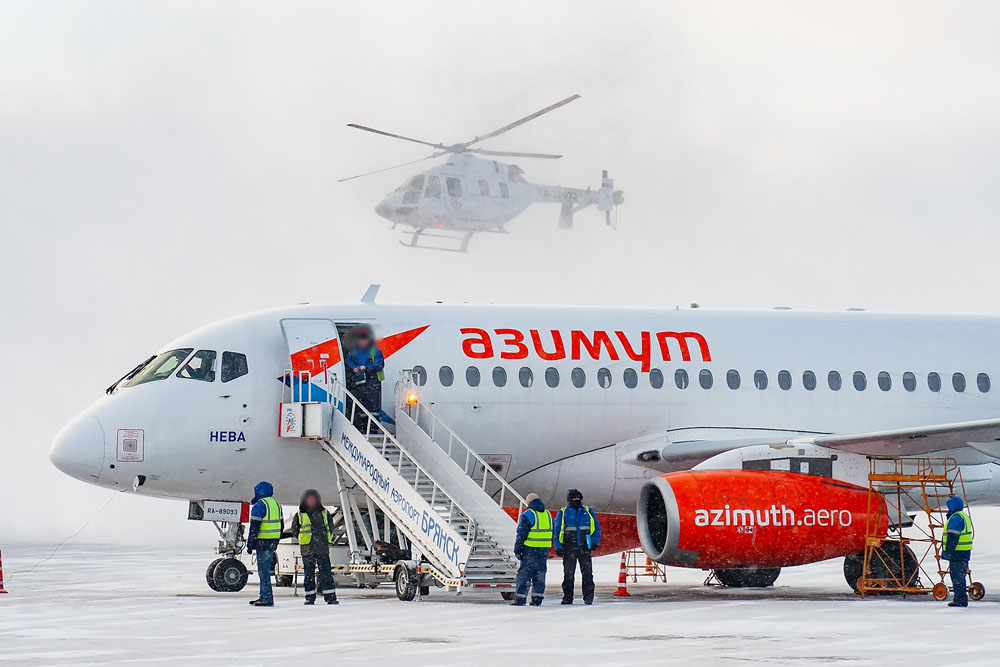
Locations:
(234, 365)
(415, 183)
(201, 367)
(160, 367)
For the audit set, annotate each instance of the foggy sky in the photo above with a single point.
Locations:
(164, 165)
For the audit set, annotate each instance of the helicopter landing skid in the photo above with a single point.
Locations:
(422, 233)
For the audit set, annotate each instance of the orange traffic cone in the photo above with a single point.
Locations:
(1, 573)
(649, 567)
(622, 588)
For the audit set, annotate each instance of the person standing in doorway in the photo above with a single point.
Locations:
(365, 373)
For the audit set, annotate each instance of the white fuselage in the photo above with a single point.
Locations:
(214, 440)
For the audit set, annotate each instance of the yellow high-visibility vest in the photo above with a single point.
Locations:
(964, 538)
(540, 534)
(562, 528)
(272, 523)
(306, 530)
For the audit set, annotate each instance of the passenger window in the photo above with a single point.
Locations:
(604, 378)
(552, 377)
(909, 381)
(419, 376)
(958, 382)
(525, 377)
(578, 377)
(733, 378)
(433, 187)
(484, 188)
(785, 380)
(809, 380)
(681, 378)
(885, 381)
(656, 378)
(499, 376)
(472, 376)
(160, 367)
(983, 382)
(504, 192)
(833, 379)
(234, 365)
(201, 367)
(705, 378)
(860, 381)
(446, 376)
(454, 186)
(760, 379)
(934, 381)
(630, 378)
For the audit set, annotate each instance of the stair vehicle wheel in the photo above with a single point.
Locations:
(854, 567)
(406, 586)
(977, 591)
(940, 592)
(425, 590)
(507, 595)
(749, 577)
(210, 574)
(230, 575)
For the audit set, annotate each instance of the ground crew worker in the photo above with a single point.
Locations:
(577, 533)
(531, 546)
(312, 525)
(265, 530)
(956, 546)
(365, 373)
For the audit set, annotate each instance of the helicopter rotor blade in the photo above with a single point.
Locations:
(516, 123)
(544, 156)
(397, 136)
(395, 166)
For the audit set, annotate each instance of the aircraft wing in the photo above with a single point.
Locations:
(983, 436)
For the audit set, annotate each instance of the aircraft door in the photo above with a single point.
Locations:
(313, 348)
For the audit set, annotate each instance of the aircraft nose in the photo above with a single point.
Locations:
(78, 449)
(384, 209)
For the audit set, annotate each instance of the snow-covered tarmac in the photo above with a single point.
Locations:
(94, 605)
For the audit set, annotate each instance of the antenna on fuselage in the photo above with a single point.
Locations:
(370, 294)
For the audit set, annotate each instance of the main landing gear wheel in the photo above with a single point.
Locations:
(406, 583)
(977, 591)
(750, 577)
(854, 567)
(887, 561)
(210, 574)
(230, 575)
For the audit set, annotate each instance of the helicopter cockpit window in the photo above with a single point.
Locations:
(454, 186)
(415, 183)
(504, 191)
(484, 188)
(201, 367)
(433, 187)
(413, 188)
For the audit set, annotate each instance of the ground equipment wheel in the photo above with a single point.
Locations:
(884, 563)
(210, 574)
(230, 575)
(406, 584)
(977, 591)
(750, 577)
(940, 591)
(507, 595)
(854, 567)
(285, 580)
(425, 590)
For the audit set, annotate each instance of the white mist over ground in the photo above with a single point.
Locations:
(149, 606)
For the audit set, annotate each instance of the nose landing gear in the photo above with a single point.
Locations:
(227, 574)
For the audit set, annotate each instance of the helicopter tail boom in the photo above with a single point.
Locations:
(572, 200)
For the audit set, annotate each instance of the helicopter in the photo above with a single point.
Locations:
(469, 194)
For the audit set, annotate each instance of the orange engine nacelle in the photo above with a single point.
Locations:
(738, 518)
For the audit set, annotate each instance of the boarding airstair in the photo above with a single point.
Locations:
(444, 500)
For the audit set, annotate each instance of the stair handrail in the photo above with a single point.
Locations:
(336, 387)
(409, 400)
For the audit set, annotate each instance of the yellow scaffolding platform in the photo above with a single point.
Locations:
(916, 490)
(638, 564)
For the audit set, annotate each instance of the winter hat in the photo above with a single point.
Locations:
(532, 497)
(955, 504)
(573, 494)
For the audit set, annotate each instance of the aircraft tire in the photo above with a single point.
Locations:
(749, 577)
(230, 575)
(210, 574)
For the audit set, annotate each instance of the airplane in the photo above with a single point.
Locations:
(467, 194)
(661, 416)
